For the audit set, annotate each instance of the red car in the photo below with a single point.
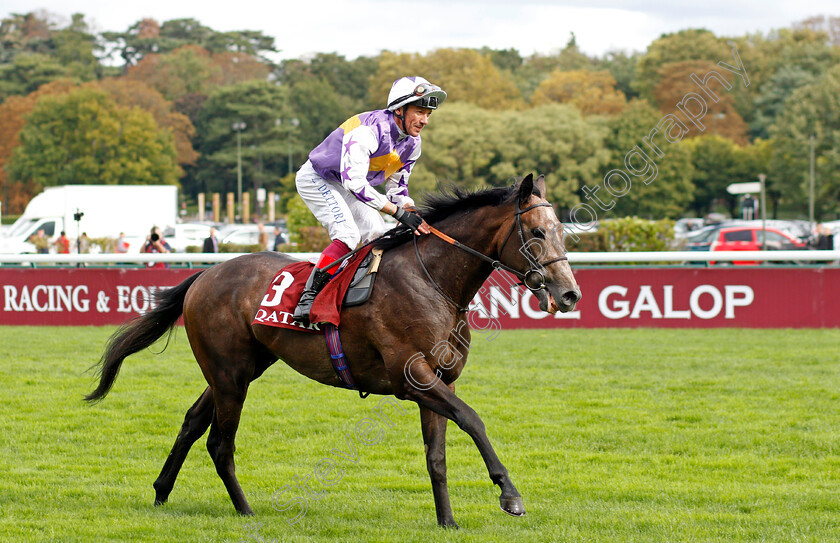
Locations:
(751, 238)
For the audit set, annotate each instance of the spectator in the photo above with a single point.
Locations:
(40, 241)
(84, 243)
(825, 239)
(156, 244)
(278, 238)
(62, 244)
(122, 244)
(263, 237)
(211, 244)
(749, 207)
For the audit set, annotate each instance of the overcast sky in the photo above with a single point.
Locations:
(365, 27)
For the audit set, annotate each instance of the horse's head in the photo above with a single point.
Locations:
(535, 243)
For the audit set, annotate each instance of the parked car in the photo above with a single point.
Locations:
(744, 238)
(186, 235)
(249, 234)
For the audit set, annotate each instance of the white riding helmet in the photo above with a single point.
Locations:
(415, 90)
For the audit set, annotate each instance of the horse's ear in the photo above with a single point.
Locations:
(526, 188)
(539, 185)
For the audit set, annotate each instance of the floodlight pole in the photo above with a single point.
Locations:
(811, 190)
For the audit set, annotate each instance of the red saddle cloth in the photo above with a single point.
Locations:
(278, 304)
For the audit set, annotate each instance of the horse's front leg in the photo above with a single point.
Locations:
(434, 439)
(424, 387)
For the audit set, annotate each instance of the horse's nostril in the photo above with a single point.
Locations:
(571, 297)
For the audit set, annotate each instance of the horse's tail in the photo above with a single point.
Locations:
(139, 334)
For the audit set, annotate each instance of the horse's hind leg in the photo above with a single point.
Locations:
(196, 421)
(434, 438)
(220, 443)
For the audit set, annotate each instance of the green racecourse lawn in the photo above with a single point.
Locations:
(610, 435)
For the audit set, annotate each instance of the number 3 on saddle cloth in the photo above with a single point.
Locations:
(351, 286)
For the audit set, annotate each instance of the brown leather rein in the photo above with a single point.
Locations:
(533, 279)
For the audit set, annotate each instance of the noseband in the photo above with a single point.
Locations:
(533, 279)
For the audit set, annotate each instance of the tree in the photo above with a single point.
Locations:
(348, 79)
(186, 70)
(34, 51)
(84, 137)
(593, 93)
(812, 109)
(147, 37)
(721, 118)
(770, 102)
(464, 74)
(474, 147)
(264, 108)
(129, 93)
(27, 72)
(685, 45)
(13, 112)
(669, 193)
(623, 69)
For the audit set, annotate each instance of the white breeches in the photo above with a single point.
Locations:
(342, 214)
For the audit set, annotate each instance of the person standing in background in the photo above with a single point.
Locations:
(211, 244)
(62, 244)
(122, 244)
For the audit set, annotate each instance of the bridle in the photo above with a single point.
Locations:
(533, 279)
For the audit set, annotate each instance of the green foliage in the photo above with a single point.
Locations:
(587, 242)
(670, 192)
(476, 147)
(147, 36)
(465, 74)
(82, 137)
(263, 107)
(27, 72)
(812, 109)
(685, 45)
(632, 234)
(305, 232)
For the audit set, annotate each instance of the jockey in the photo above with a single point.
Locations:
(369, 149)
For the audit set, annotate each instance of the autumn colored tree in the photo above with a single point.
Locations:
(130, 93)
(593, 93)
(721, 117)
(686, 45)
(465, 74)
(84, 137)
(13, 112)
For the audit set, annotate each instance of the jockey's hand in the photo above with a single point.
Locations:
(412, 220)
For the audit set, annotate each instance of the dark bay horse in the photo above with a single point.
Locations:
(414, 308)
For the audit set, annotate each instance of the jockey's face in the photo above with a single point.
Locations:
(415, 119)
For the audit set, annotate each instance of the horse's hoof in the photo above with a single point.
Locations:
(449, 525)
(159, 501)
(512, 506)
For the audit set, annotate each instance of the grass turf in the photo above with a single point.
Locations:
(610, 435)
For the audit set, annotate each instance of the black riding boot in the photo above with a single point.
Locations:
(314, 284)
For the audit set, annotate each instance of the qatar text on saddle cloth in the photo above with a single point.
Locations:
(283, 293)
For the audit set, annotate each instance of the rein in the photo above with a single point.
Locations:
(533, 279)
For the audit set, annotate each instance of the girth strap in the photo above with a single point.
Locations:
(338, 359)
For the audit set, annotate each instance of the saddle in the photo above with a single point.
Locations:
(361, 285)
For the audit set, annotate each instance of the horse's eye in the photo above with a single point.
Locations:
(538, 233)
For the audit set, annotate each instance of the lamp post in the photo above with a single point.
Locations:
(294, 122)
(239, 126)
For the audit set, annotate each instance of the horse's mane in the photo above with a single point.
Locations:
(437, 207)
